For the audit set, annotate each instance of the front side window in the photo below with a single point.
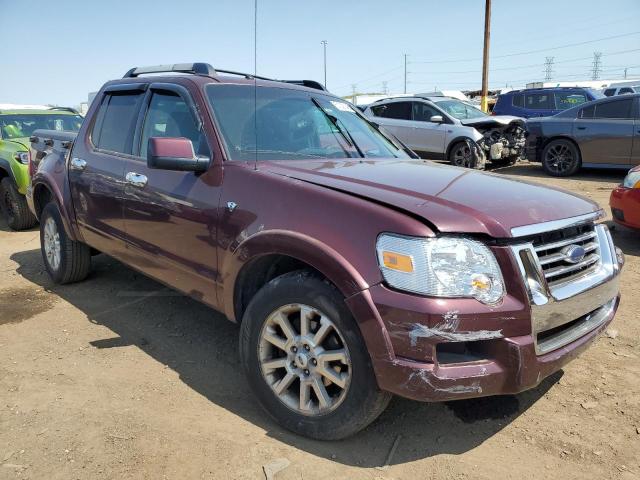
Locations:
(423, 112)
(618, 109)
(609, 92)
(565, 100)
(539, 101)
(24, 124)
(461, 110)
(587, 112)
(397, 110)
(116, 122)
(169, 116)
(270, 123)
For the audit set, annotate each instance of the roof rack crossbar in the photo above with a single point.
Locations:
(194, 68)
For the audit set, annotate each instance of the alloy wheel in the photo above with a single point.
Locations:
(304, 359)
(51, 244)
(559, 158)
(462, 156)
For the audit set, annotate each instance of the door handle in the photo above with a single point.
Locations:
(78, 164)
(582, 128)
(136, 179)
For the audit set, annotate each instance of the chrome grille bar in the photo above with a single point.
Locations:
(566, 241)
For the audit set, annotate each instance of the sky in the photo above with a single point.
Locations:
(57, 51)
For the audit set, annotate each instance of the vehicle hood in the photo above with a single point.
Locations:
(450, 198)
(21, 141)
(493, 121)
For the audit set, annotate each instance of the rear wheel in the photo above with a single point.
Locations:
(560, 158)
(306, 361)
(14, 206)
(66, 260)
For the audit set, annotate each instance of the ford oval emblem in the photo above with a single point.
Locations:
(574, 253)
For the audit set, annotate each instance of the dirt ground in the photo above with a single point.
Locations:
(119, 377)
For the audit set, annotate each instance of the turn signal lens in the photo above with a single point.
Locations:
(397, 261)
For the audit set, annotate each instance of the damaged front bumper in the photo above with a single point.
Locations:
(448, 349)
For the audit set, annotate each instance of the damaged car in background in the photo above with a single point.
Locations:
(446, 128)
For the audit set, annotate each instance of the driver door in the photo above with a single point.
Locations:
(428, 136)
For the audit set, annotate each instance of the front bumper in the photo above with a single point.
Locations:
(448, 349)
(625, 206)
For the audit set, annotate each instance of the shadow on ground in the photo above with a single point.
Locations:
(535, 171)
(201, 346)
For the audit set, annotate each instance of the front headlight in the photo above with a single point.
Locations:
(632, 180)
(440, 267)
(22, 157)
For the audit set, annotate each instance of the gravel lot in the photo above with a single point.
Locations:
(119, 377)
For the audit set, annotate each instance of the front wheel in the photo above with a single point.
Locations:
(560, 158)
(66, 260)
(14, 206)
(306, 361)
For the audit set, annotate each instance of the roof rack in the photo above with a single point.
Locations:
(193, 68)
(207, 70)
(64, 109)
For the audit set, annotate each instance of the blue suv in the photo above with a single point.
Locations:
(542, 102)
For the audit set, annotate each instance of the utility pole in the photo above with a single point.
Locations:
(353, 93)
(625, 73)
(324, 47)
(597, 66)
(548, 68)
(485, 56)
(405, 73)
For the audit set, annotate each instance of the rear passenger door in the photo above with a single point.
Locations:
(605, 131)
(396, 117)
(96, 169)
(171, 216)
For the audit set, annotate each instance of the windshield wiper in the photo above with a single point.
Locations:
(341, 130)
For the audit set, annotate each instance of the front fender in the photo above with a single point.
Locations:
(62, 197)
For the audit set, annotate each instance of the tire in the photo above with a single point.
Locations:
(460, 155)
(561, 158)
(66, 260)
(14, 206)
(348, 408)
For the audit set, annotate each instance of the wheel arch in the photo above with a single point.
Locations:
(43, 193)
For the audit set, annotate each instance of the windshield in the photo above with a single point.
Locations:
(270, 123)
(24, 124)
(460, 110)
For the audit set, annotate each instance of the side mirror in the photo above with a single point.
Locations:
(174, 153)
(436, 119)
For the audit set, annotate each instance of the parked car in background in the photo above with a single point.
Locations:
(449, 129)
(621, 88)
(16, 126)
(355, 271)
(625, 200)
(542, 102)
(603, 133)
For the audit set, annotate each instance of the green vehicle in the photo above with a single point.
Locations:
(16, 126)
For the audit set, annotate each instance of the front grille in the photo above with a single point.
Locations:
(554, 251)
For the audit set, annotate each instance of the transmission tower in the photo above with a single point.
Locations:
(385, 90)
(548, 68)
(353, 93)
(597, 65)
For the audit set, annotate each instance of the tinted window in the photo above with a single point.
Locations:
(566, 100)
(614, 109)
(398, 110)
(117, 122)
(625, 90)
(518, 100)
(539, 101)
(23, 125)
(609, 92)
(424, 112)
(169, 116)
(587, 112)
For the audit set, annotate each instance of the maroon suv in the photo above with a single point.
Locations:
(355, 270)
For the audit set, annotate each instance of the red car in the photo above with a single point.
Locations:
(625, 200)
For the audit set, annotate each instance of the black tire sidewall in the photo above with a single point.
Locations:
(574, 151)
(362, 395)
(51, 211)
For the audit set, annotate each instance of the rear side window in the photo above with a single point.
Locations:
(619, 109)
(397, 110)
(625, 90)
(518, 100)
(565, 100)
(169, 116)
(539, 101)
(587, 112)
(609, 92)
(116, 122)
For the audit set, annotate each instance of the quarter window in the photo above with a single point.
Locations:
(397, 110)
(169, 116)
(620, 109)
(116, 122)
